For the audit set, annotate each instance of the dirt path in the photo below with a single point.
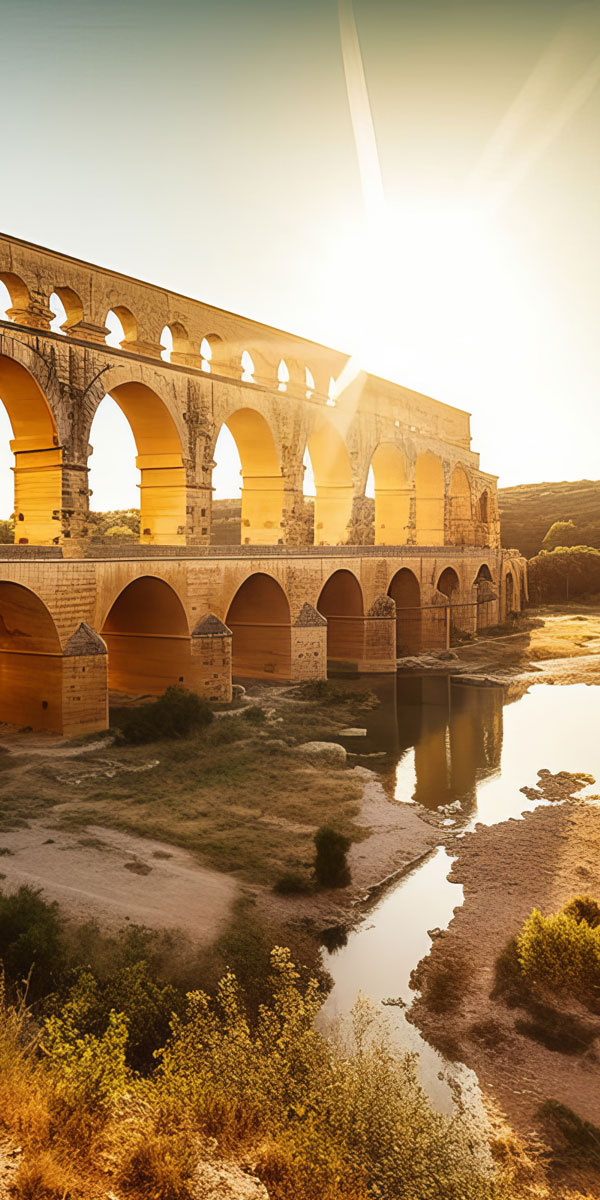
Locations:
(114, 877)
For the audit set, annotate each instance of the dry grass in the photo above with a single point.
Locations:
(242, 805)
(565, 635)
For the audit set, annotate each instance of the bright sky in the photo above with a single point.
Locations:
(210, 148)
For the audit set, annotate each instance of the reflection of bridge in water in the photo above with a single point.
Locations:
(446, 734)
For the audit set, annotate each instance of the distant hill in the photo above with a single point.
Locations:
(528, 510)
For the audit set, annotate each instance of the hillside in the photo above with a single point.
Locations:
(528, 510)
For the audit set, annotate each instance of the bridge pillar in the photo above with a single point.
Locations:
(162, 499)
(380, 637)
(210, 665)
(38, 493)
(262, 510)
(84, 683)
(309, 645)
(333, 510)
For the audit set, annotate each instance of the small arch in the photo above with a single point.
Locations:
(148, 638)
(484, 575)
(214, 352)
(247, 365)
(460, 531)
(310, 382)
(487, 608)
(333, 484)
(283, 376)
(483, 507)
(392, 491)
(120, 320)
(429, 497)
(30, 661)
(38, 457)
(509, 594)
(448, 582)
(405, 591)
(18, 292)
(259, 619)
(262, 481)
(175, 341)
(341, 602)
(332, 392)
(66, 304)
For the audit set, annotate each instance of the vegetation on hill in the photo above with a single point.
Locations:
(529, 510)
(564, 573)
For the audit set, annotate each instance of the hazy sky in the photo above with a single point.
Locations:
(209, 147)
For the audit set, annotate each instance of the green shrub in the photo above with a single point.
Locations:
(563, 573)
(292, 883)
(88, 1070)
(254, 714)
(177, 713)
(331, 866)
(30, 937)
(561, 953)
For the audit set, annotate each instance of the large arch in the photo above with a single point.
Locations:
(333, 484)
(38, 456)
(30, 661)
(262, 481)
(460, 516)
(341, 603)
(148, 638)
(406, 593)
(159, 461)
(259, 619)
(392, 495)
(429, 496)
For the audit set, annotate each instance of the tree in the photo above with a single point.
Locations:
(560, 533)
(331, 867)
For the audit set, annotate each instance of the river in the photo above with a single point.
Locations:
(462, 748)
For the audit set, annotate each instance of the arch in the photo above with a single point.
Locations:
(262, 481)
(148, 638)
(18, 291)
(509, 594)
(484, 574)
(483, 507)
(30, 661)
(309, 381)
(429, 496)
(487, 598)
(283, 376)
(127, 323)
(341, 602)
(247, 367)
(38, 457)
(392, 495)
(160, 462)
(405, 591)
(215, 357)
(460, 515)
(72, 307)
(259, 619)
(448, 582)
(333, 484)
(176, 343)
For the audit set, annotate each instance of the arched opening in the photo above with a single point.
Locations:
(247, 364)
(449, 585)
(448, 582)
(310, 382)
(392, 495)
(215, 355)
(341, 602)
(67, 308)
(483, 508)
(460, 530)
(509, 594)
(283, 376)
(332, 475)
(176, 344)
(16, 292)
(406, 593)
(30, 661)
(486, 598)
(122, 327)
(262, 481)
(37, 456)
(162, 499)
(429, 495)
(259, 619)
(148, 639)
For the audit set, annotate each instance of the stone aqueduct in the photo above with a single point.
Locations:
(77, 618)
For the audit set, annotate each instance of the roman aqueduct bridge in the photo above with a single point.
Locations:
(345, 587)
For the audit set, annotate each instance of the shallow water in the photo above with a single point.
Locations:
(451, 743)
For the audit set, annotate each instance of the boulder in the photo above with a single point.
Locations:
(225, 1181)
(327, 752)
